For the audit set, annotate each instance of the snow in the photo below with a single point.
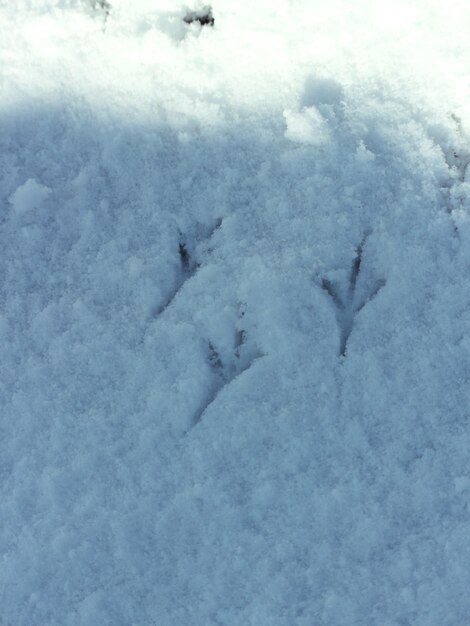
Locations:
(234, 313)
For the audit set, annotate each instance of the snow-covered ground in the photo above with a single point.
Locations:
(235, 313)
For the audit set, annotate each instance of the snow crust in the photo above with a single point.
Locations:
(234, 313)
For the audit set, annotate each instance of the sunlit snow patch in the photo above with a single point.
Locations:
(306, 126)
(29, 196)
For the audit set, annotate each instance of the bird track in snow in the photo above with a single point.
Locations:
(346, 303)
(224, 374)
(188, 268)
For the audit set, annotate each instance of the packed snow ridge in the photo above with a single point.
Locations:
(234, 313)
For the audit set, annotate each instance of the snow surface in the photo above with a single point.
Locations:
(235, 313)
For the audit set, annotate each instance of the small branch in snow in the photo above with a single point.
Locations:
(103, 6)
(204, 17)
